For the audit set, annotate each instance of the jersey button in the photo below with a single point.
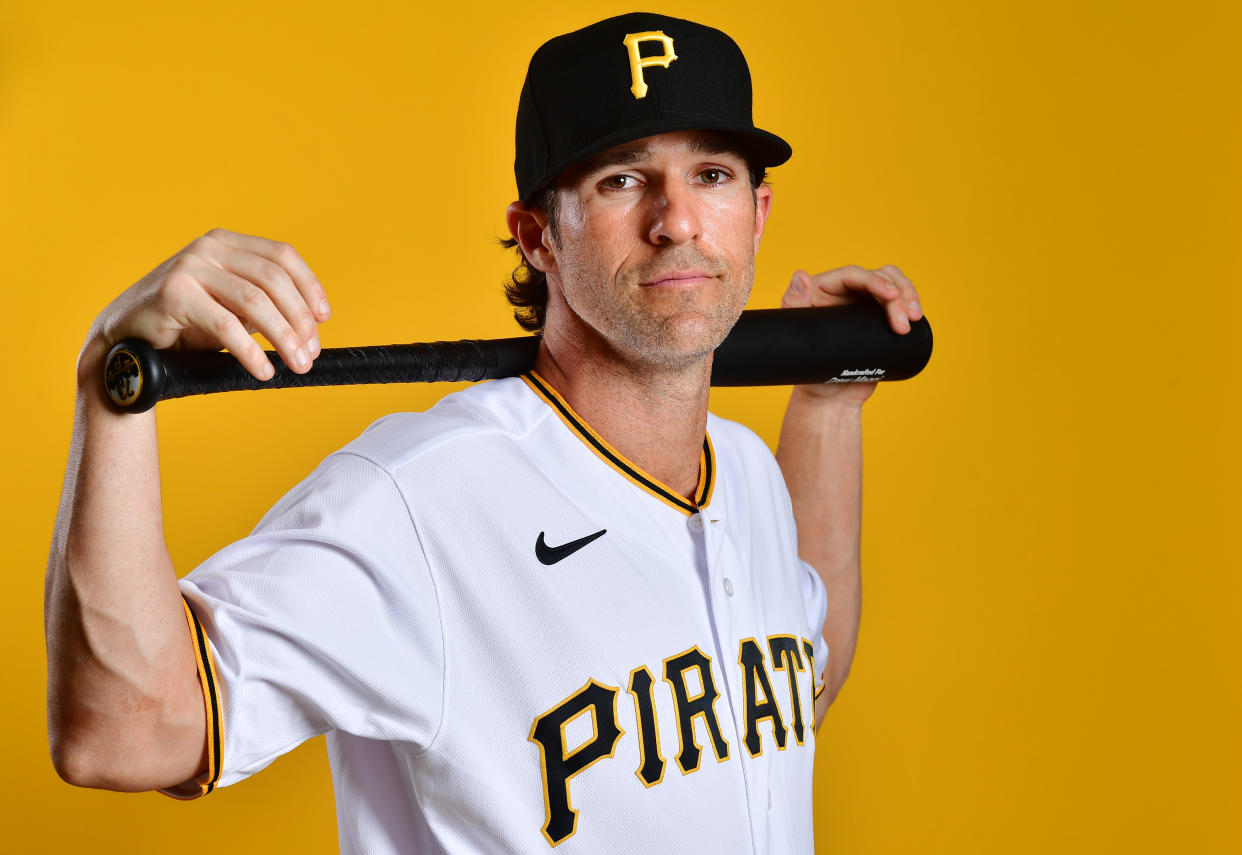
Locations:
(696, 523)
(728, 586)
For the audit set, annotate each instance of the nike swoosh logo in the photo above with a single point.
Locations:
(549, 555)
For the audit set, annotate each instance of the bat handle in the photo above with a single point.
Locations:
(134, 375)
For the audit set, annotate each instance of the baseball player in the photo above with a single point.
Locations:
(571, 610)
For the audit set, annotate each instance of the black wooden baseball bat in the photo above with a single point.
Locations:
(767, 347)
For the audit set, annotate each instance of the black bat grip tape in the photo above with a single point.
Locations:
(767, 347)
(136, 375)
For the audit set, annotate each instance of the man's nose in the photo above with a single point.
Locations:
(675, 214)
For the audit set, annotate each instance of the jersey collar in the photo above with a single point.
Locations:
(597, 444)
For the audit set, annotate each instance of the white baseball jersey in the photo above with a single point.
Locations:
(516, 640)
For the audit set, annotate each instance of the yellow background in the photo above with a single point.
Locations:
(1050, 641)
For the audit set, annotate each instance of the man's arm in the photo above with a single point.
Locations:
(125, 707)
(125, 711)
(820, 455)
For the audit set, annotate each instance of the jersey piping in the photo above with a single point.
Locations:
(618, 461)
(211, 700)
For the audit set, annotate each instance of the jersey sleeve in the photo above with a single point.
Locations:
(324, 618)
(815, 600)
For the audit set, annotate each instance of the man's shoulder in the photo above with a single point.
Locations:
(736, 438)
(744, 458)
(497, 411)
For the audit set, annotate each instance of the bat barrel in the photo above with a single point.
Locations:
(835, 344)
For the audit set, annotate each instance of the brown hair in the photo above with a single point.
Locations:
(527, 288)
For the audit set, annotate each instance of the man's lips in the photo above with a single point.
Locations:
(677, 278)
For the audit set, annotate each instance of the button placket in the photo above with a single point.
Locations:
(713, 528)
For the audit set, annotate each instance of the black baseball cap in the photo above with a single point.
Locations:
(626, 78)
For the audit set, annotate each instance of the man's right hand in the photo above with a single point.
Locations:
(214, 293)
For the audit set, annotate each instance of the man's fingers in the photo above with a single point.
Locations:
(279, 286)
(887, 285)
(898, 316)
(211, 317)
(819, 290)
(895, 306)
(287, 257)
(250, 302)
(218, 291)
(852, 279)
(800, 291)
(908, 293)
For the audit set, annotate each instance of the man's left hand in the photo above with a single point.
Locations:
(849, 284)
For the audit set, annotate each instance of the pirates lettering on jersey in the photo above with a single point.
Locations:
(651, 770)
(559, 764)
(688, 708)
(693, 694)
(759, 702)
(788, 658)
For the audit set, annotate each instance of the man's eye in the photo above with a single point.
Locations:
(713, 176)
(617, 182)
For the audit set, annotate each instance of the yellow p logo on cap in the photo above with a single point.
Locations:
(639, 62)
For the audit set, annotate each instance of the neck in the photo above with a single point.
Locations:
(654, 415)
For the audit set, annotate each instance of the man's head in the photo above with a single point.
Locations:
(599, 89)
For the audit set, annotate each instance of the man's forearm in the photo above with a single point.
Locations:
(122, 705)
(820, 454)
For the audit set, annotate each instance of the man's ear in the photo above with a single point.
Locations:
(529, 227)
(763, 207)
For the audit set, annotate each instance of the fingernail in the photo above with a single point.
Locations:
(301, 358)
(324, 308)
(313, 344)
(915, 308)
(796, 285)
(268, 371)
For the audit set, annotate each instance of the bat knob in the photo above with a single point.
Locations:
(133, 375)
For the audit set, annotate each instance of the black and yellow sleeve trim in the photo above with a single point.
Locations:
(211, 700)
(707, 461)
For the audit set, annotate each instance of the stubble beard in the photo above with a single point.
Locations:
(673, 329)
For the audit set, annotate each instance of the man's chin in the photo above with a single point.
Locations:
(681, 341)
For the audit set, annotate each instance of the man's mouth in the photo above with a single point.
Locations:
(677, 279)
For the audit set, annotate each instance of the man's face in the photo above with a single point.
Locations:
(655, 247)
